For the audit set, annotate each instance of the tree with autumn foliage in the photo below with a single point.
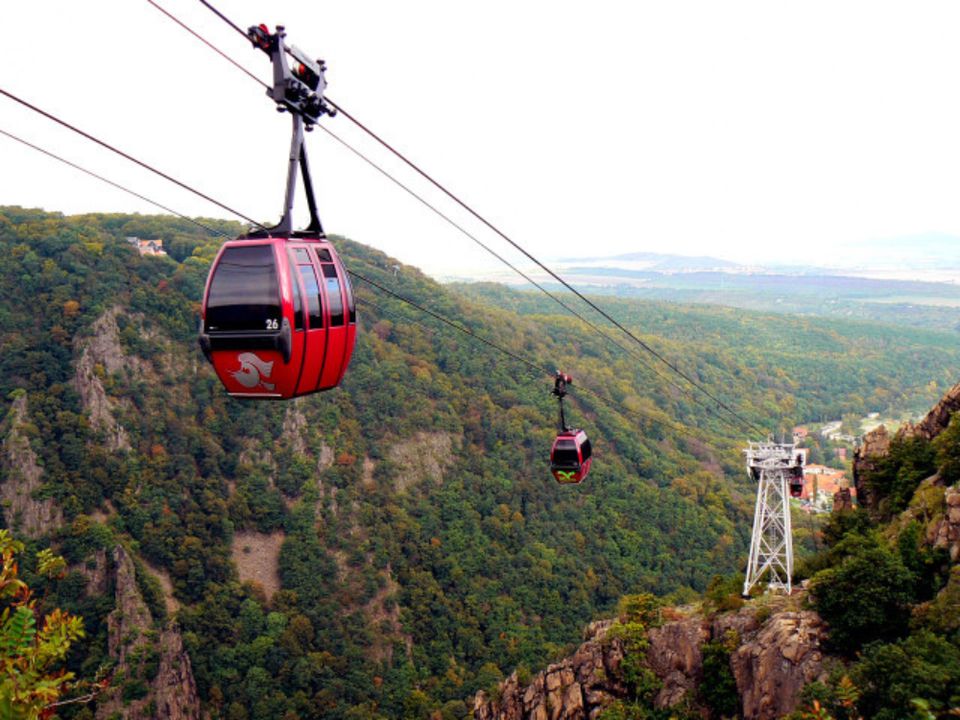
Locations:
(30, 682)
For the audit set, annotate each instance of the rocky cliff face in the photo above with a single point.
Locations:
(676, 657)
(935, 421)
(876, 444)
(21, 477)
(576, 687)
(152, 666)
(773, 660)
(101, 355)
(944, 532)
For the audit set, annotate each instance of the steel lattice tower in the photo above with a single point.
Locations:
(771, 545)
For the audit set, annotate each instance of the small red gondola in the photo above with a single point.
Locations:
(795, 481)
(279, 318)
(570, 456)
(571, 453)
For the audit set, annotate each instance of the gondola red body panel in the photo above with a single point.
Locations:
(570, 457)
(795, 482)
(278, 318)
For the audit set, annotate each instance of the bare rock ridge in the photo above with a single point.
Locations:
(776, 661)
(771, 663)
(876, 443)
(21, 478)
(935, 421)
(152, 665)
(100, 355)
(578, 686)
(775, 648)
(425, 456)
(946, 532)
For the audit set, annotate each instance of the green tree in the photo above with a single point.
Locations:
(892, 677)
(947, 448)
(897, 475)
(866, 596)
(30, 682)
(718, 689)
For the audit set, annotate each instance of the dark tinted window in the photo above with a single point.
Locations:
(312, 290)
(324, 255)
(585, 449)
(565, 454)
(348, 286)
(333, 294)
(244, 294)
(298, 323)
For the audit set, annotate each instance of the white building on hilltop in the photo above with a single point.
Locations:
(147, 247)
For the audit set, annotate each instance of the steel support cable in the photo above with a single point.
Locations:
(538, 369)
(433, 208)
(400, 156)
(223, 17)
(126, 156)
(596, 328)
(114, 184)
(613, 405)
(745, 421)
(437, 316)
(671, 365)
(209, 44)
(393, 178)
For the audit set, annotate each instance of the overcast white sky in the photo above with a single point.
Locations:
(764, 131)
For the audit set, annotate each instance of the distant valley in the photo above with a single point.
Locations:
(876, 292)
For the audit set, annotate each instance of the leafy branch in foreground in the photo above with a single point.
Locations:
(30, 682)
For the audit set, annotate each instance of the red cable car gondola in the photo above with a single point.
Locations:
(795, 481)
(279, 318)
(570, 456)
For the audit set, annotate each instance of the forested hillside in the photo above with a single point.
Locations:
(390, 547)
(871, 629)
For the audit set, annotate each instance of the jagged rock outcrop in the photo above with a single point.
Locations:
(935, 421)
(152, 665)
(96, 571)
(295, 427)
(21, 477)
(675, 656)
(100, 355)
(384, 614)
(577, 687)
(945, 533)
(876, 444)
(424, 456)
(771, 663)
(842, 500)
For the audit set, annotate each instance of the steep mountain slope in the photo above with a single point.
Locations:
(381, 550)
(875, 633)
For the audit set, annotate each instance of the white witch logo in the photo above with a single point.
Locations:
(252, 369)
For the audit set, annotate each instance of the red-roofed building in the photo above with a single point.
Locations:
(820, 483)
(147, 247)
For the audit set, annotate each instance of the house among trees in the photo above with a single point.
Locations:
(147, 247)
(821, 483)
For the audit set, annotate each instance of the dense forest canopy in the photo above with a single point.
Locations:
(425, 550)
